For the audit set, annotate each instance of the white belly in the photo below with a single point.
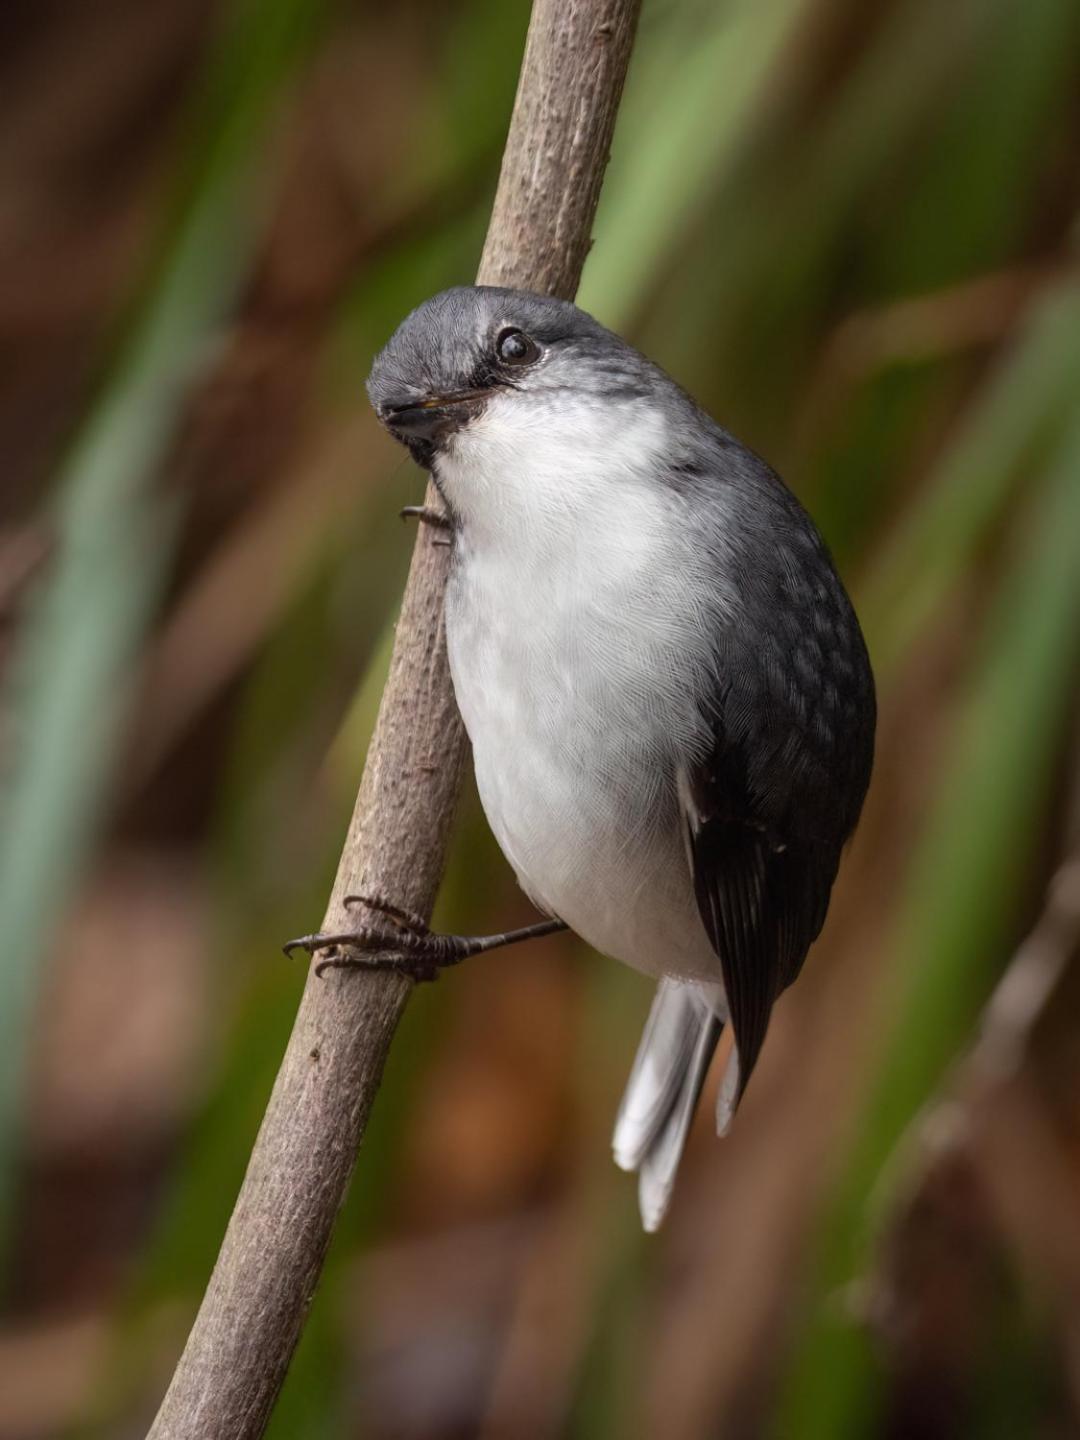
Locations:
(576, 732)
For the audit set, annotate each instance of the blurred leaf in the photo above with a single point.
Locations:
(974, 174)
(742, 220)
(114, 535)
(957, 922)
(765, 256)
(689, 96)
(1022, 410)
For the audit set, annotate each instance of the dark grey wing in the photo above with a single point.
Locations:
(762, 900)
(768, 808)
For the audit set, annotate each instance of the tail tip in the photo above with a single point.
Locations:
(625, 1158)
(653, 1199)
(727, 1097)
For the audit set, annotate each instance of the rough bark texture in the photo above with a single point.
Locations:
(254, 1308)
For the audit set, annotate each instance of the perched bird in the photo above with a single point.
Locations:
(668, 696)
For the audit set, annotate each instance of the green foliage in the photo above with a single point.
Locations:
(961, 908)
(784, 175)
(113, 532)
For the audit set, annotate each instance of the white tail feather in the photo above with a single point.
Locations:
(657, 1178)
(728, 1094)
(662, 1092)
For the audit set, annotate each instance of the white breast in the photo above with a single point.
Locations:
(574, 626)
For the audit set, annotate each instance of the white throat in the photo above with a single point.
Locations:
(532, 472)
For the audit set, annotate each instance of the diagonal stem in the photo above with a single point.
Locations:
(254, 1308)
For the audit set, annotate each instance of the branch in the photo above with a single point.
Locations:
(941, 1138)
(251, 1316)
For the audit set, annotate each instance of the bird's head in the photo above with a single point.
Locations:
(479, 379)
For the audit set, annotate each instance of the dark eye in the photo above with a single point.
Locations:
(513, 347)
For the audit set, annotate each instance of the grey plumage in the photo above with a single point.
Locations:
(670, 702)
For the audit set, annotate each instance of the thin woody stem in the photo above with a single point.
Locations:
(251, 1316)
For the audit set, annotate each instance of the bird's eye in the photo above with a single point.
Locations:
(513, 347)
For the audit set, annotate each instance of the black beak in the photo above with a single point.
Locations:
(432, 419)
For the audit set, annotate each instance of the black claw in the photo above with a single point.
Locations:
(397, 914)
(417, 970)
(368, 940)
(404, 944)
(302, 942)
(427, 516)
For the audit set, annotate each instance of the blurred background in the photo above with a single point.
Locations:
(851, 230)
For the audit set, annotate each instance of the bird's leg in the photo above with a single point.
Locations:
(401, 942)
(428, 515)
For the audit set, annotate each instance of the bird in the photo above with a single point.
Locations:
(669, 699)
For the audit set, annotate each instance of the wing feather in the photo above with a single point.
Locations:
(787, 700)
(767, 811)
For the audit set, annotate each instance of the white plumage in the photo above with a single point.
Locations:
(563, 554)
(564, 557)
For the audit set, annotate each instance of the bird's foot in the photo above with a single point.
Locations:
(437, 519)
(397, 915)
(402, 943)
(394, 942)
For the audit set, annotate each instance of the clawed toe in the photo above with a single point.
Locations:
(302, 942)
(427, 515)
(415, 967)
(403, 943)
(373, 947)
(440, 523)
(405, 932)
(396, 914)
(310, 943)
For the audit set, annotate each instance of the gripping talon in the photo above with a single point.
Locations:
(404, 944)
(407, 919)
(427, 516)
(376, 946)
(435, 518)
(417, 969)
